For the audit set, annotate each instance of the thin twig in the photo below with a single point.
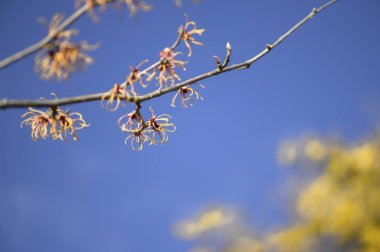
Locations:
(35, 47)
(226, 59)
(10, 103)
(228, 55)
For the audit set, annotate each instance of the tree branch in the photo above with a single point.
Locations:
(13, 103)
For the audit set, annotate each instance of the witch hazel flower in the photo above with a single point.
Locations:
(188, 96)
(42, 123)
(130, 122)
(188, 33)
(68, 123)
(136, 75)
(159, 127)
(115, 95)
(167, 67)
(133, 125)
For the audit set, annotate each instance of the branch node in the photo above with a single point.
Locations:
(137, 110)
(314, 11)
(54, 111)
(218, 64)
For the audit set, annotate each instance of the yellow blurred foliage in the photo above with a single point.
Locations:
(341, 206)
(243, 244)
(315, 150)
(206, 221)
(339, 210)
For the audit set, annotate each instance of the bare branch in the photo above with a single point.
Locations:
(10, 103)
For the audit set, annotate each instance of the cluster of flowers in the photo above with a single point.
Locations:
(60, 57)
(164, 71)
(154, 131)
(119, 91)
(54, 122)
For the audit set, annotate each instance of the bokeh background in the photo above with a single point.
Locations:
(99, 195)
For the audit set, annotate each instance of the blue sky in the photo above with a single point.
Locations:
(99, 195)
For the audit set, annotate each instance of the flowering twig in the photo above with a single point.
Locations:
(13, 103)
(119, 91)
(35, 47)
(157, 63)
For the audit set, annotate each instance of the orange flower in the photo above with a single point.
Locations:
(69, 123)
(117, 92)
(40, 122)
(60, 57)
(160, 126)
(137, 139)
(133, 123)
(167, 67)
(136, 76)
(187, 35)
(135, 128)
(188, 95)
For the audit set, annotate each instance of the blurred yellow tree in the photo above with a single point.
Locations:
(339, 210)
